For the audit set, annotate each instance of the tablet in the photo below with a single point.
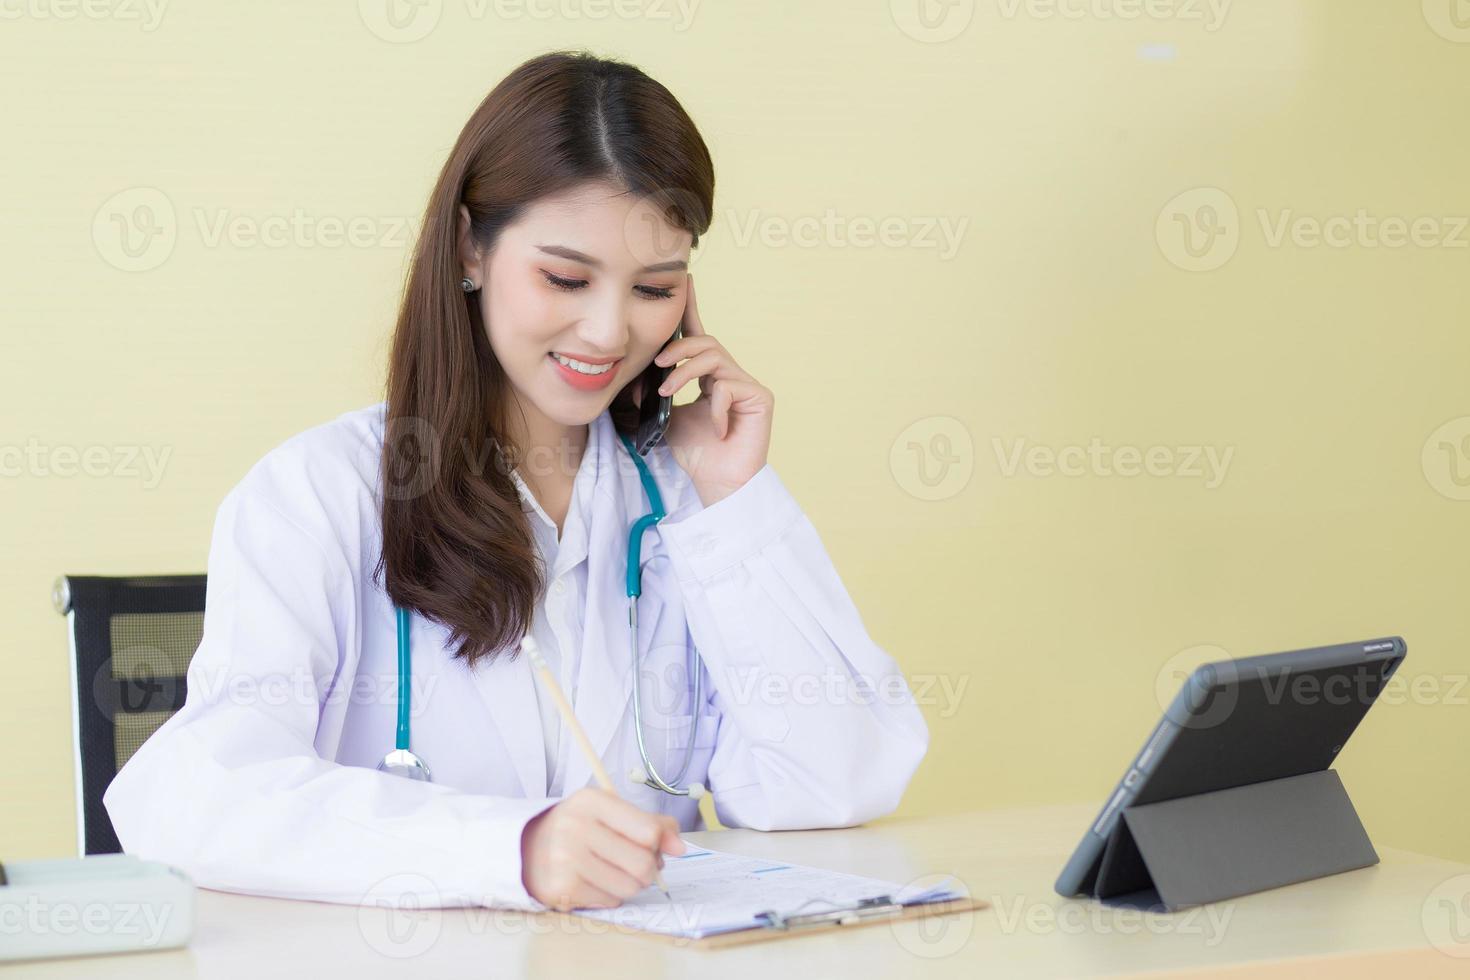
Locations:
(1236, 722)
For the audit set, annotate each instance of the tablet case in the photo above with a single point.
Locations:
(1232, 842)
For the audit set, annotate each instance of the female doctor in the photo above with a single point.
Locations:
(499, 492)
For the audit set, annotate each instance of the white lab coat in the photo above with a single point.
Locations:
(265, 781)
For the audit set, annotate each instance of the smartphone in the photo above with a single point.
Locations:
(654, 409)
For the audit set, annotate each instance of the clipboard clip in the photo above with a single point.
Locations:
(868, 908)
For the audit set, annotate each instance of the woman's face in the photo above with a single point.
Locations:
(593, 275)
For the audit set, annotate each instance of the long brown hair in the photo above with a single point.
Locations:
(457, 547)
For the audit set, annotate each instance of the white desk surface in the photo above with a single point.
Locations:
(1391, 919)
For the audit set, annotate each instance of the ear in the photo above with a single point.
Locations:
(469, 255)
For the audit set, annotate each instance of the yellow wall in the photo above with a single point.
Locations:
(1055, 146)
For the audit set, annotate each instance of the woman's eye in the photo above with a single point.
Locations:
(560, 283)
(647, 292)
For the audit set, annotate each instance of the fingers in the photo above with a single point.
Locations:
(586, 895)
(594, 849)
(722, 397)
(728, 393)
(678, 350)
(609, 878)
(639, 863)
(639, 826)
(697, 366)
(670, 842)
(644, 828)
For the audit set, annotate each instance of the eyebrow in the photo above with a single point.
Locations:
(576, 256)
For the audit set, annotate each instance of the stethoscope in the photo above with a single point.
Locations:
(403, 762)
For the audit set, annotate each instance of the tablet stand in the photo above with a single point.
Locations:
(1231, 842)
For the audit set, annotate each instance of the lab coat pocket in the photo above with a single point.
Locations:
(684, 732)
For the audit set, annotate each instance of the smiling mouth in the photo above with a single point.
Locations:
(583, 367)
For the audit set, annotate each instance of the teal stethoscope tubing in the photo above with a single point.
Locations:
(402, 761)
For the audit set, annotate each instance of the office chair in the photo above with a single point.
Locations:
(131, 642)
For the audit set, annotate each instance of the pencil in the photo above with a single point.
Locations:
(533, 650)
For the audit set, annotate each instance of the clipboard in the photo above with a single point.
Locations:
(869, 912)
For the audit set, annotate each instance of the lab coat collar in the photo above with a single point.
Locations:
(571, 545)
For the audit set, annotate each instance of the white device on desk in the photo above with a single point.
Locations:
(107, 903)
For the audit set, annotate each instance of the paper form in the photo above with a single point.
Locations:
(714, 892)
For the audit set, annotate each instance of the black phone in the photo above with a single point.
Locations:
(654, 409)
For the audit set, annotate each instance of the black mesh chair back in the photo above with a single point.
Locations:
(131, 642)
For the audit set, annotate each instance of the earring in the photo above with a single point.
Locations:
(467, 285)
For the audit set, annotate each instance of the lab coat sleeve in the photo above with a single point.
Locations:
(817, 726)
(232, 790)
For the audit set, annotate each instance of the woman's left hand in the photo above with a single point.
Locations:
(721, 439)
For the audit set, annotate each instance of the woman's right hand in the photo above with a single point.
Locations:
(594, 850)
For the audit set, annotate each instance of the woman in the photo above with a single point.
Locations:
(490, 496)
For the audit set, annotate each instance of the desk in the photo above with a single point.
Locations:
(1373, 922)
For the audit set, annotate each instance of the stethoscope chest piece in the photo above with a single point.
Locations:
(402, 762)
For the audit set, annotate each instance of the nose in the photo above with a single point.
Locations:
(605, 329)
